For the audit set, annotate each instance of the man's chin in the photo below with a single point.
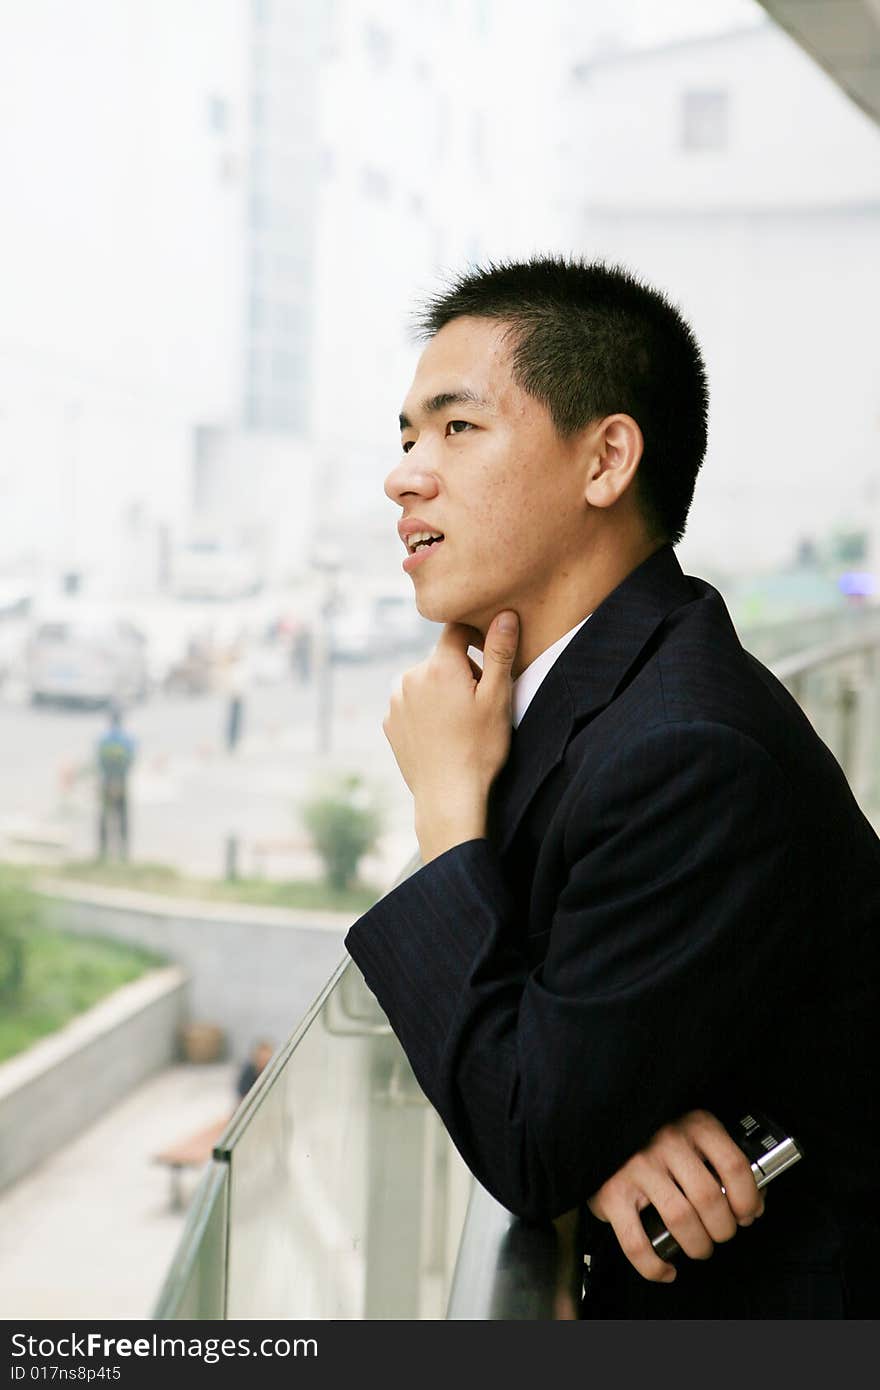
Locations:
(438, 611)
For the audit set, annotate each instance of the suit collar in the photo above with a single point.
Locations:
(582, 681)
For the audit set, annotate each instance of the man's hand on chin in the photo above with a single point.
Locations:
(449, 729)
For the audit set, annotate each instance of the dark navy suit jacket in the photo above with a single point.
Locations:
(677, 905)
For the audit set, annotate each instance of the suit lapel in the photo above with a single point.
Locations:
(533, 755)
(581, 682)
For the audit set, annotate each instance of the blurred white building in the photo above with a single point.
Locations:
(121, 274)
(440, 121)
(286, 48)
(220, 216)
(370, 170)
(252, 476)
(733, 173)
(390, 130)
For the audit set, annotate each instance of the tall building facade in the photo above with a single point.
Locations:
(121, 153)
(252, 473)
(287, 46)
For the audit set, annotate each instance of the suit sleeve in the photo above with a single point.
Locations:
(670, 920)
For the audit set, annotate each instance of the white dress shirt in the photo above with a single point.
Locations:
(527, 683)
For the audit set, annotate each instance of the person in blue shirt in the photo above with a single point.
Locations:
(115, 755)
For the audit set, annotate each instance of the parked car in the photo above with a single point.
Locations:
(86, 659)
(371, 626)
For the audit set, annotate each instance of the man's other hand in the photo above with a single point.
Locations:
(697, 1207)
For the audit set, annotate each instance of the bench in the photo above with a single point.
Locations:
(191, 1152)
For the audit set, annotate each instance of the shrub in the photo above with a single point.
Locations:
(345, 824)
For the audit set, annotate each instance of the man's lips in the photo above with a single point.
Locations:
(419, 556)
(414, 526)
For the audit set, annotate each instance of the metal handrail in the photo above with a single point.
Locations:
(847, 717)
(789, 668)
(509, 1270)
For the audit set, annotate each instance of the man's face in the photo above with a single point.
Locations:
(484, 465)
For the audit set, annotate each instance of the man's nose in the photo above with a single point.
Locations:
(410, 479)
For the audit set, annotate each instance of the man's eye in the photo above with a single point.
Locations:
(457, 426)
(408, 445)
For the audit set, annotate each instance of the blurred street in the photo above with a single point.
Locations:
(188, 791)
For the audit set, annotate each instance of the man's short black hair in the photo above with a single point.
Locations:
(591, 340)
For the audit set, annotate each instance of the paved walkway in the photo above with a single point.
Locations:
(91, 1233)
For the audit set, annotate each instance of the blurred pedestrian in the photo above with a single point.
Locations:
(115, 755)
(257, 1060)
(235, 682)
(301, 651)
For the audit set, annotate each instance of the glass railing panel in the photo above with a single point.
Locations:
(196, 1284)
(347, 1198)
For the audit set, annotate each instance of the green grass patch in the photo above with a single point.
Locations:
(63, 976)
(310, 894)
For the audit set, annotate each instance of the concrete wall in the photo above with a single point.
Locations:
(253, 971)
(56, 1088)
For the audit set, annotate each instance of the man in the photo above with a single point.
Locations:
(258, 1058)
(115, 753)
(235, 682)
(657, 895)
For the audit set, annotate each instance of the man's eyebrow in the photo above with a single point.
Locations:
(432, 404)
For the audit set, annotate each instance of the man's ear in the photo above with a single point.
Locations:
(615, 447)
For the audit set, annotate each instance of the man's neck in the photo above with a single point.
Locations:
(577, 597)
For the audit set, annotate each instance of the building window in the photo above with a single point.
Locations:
(704, 120)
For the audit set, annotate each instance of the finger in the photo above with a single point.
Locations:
(499, 650)
(626, 1222)
(701, 1188)
(451, 651)
(457, 637)
(731, 1165)
(679, 1215)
